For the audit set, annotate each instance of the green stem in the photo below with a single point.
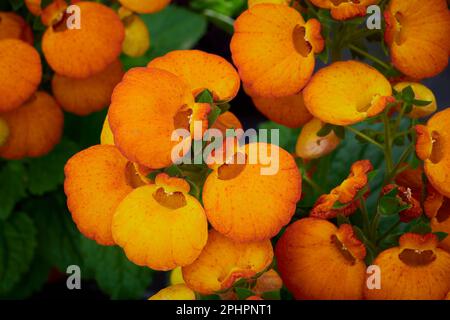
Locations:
(388, 232)
(365, 137)
(374, 226)
(369, 56)
(387, 144)
(313, 184)
(365, 214)
(405, 155)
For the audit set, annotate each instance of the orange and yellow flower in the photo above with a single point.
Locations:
(289, 111)
(84, 96)
(256, 206)
(342, 200)
(317, 260)
(415, 270)
(13, 26)
(346, 93)
(81, 53)
(433, 147)
(34, 128)
(97, 180)
(145, 6)
(406, 198)
(224, 261)
(417, 34)
(150, 103)
(160, 225)
(345, 9)
(21, 73)
(174, 292)
(137, 36)
(311, 146)
(269, 40)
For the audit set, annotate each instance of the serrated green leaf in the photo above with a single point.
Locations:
(17, 245)
(57, 235)
(47, 173)
(12, 186)
(114, 273)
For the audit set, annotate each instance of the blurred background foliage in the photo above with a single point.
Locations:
(38, 239)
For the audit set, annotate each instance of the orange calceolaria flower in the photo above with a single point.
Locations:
(81, 53)
(415, 270)
(13, 26)
(343, 195)
(137, 36)
(289, 111)
(21, 73)
(35, 128)
(256, 206)
(34, 6)
(421, 92)
(270, 39)
(84, 96)
(345, 9)
(174, 292)
(433, 147)
(437, 208)
(161, 226)
(150, 103)
(223, 262)
(97, 180)
(145, 6)
(347, 92)
(417, 33)
(406, 197)
(226, 120)
(268, 282)
(311, 146)
(201, 70)
(317, 260)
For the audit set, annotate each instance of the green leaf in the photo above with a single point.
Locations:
(271, 295)
(408, 94)
(288, 137)
(16, 4)
(173, 28)
(243, 293)
(58, 237)
(47, 173)
(421, 103)
(388, 205)
(420, 228)
(229, 8)
(339, 131)
(17, 245)
(205, 97)
(441, 235)
(325, 130)
(12, 187)
(213, 115)
(114, 273)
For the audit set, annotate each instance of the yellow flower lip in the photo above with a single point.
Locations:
(145, 6)
(269, 39)
(224, 261)
(159, 227)
(174, 292)
(346, 93)
(417, 34)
